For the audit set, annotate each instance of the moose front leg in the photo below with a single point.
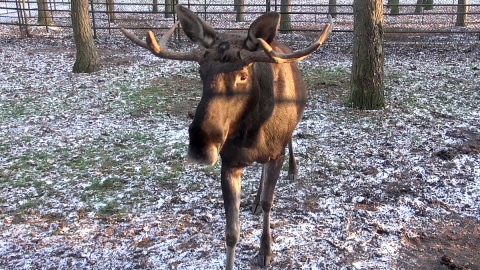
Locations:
(231, 189)
(272, 171)
(292, 175)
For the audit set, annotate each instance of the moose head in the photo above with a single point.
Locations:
(253, 97)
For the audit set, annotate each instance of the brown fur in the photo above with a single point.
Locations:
(247, 114)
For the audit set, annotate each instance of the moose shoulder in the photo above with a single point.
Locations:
(253, 97)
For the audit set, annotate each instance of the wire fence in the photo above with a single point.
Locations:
(407, 17)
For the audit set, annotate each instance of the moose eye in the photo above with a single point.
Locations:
(241, 79)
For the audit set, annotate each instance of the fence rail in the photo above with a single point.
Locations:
(310, 15)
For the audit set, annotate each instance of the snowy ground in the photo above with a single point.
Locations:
(93, 172)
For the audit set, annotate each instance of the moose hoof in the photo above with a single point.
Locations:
(256, 208)
(264, 260)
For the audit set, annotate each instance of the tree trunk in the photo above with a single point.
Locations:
(23, 19)
(462, 10)
(239, 7)
(169, 8)
(419, 7)
(285, 21)
(155, 6)
(394, 7)
(366, 85)
(44, 14)
(427, 4)
(332, 8)
(86, 58)
(110, 10)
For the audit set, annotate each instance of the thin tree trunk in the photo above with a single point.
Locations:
(462, 11)
(366, 85)
(394, 7)
(44, 14)
(419, 7)
(23, 19)
(86, 57)
(285, 21)
(428, 4)
(155, 6)
(332, 8)
(111, 10)
(169, 8)
(239, 7)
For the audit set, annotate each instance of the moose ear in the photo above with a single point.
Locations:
(265, 27)
(195, 28)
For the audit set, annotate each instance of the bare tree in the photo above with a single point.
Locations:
(44, 14)
(427, 4)
(86, 57)
(423, 5)
(366, 85)
(110, 10)
(23, 19)
(394, 6)
(462, 11)
(419, 7)
(239, 7)
(285, 9)
(332, 8)
(170, 8)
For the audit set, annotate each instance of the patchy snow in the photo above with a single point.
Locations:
(367, 180)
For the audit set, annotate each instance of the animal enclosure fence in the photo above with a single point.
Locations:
(107, 16)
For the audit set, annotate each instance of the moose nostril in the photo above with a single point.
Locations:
(225, 58)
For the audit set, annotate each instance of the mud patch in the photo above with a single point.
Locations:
(449, 243)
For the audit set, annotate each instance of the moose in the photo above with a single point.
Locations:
(253, 97)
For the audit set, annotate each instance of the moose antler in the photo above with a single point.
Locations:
(267, 55)
(270, 55)
(160, 48)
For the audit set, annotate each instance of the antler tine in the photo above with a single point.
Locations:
(160, 48)
(166, 36)
(135, 39)
(278, 57)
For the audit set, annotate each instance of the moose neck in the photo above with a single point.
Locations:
(259, 107)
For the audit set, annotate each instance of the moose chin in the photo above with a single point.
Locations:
(252, 99)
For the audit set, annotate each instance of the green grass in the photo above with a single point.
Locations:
(145, 100)
(13, 109)
(332, 84)
(314, 77)
(110, 209)
(106, 184)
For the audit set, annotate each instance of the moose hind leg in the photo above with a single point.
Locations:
(272, 171)
(292, 163)
(231, 189)
(256, 209)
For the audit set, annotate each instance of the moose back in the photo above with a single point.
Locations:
(253, 97)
